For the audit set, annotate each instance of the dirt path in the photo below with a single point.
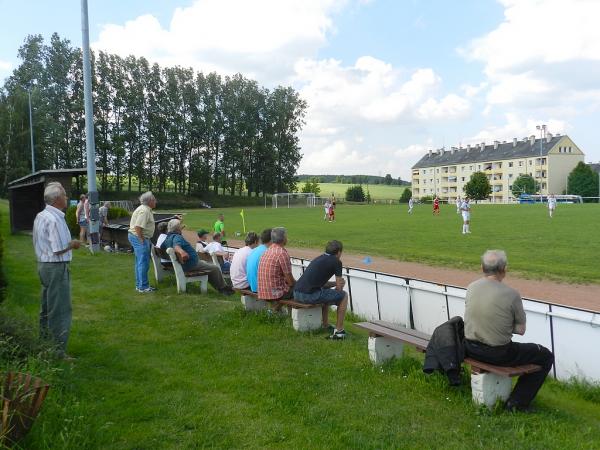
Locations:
(585, 296)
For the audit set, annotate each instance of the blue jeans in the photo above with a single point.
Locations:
(142, 260)
(320, 297)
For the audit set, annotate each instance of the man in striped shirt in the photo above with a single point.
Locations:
(53, 244)
(275, 279)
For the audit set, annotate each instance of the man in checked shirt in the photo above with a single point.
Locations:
(275, 279)
(53, 244)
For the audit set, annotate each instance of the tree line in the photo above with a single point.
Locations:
(155, 127)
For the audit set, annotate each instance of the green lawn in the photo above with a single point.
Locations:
(563, 248)
(377, 191)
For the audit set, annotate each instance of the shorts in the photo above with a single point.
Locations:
(320, 297)
(83, 223)
(466, 216)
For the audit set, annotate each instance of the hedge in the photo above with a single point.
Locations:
(2, 278)
(113, 213)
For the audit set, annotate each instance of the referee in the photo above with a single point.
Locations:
(53, 244)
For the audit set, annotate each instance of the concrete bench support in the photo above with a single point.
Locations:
(306, 319)
(252, 304)
(487, 388)
(382, 349)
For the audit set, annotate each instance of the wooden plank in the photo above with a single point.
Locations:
(246, 292)
(378, 330)
(396, 327)
(515, 371)
(297, 305)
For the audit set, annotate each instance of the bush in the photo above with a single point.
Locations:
(2, 279)
(116, 213)
(427, 199)
(72, 220)
(406, 195)
(355, 194)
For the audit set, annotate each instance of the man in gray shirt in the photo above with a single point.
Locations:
(493, 312)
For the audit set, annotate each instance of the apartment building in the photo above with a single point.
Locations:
(548, 160)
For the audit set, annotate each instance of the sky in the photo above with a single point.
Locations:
(385, 80)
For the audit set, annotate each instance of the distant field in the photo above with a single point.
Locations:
(378, 191)
(564, 248)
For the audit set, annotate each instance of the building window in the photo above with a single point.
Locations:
(462, 178)
(437, 170)
(569, 149)
(510, 164)
(530, 162)
(510, 175)
(470, 167)
(462, 169)
(520, 163)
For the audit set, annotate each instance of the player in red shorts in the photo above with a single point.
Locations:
(436, 206)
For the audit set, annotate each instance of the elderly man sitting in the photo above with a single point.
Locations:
(189, 258)
(493, 312)
(275, 279)
(216, 248)
(238, 263)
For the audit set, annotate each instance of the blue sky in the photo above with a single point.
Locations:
(385, 80)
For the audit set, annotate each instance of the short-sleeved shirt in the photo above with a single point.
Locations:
(219, 227)
(436, 203)
(213, 247)
(492, 309)
(103, 213)
(318, 272)
(237, 271)
(551, 202)
(50, 235)
(142, 217)
(252, 266)
(174, 239)
(274, 265)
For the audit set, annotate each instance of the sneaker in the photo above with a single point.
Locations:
(148, 289)
(338, 334)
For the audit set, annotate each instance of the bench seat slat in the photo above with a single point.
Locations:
(419, 343)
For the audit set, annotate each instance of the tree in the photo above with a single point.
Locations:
(355, 194)
(406, 195)
(583, 181)
(524, 184)
(388, 179)
(311, 185)
(478, 187)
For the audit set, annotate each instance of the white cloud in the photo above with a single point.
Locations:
(259, 38)
(5, 66)
(518, 127)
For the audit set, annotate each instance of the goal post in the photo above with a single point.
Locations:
(293, 199)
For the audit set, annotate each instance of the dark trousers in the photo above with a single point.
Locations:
(516, 354)
(55, 306)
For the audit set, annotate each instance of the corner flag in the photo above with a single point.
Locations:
(243, 220)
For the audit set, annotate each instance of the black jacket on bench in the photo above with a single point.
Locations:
(446, 350)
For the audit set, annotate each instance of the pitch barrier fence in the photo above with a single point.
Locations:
(573, 334)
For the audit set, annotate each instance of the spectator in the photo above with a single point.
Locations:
(215, 248)
(254, 258)
(81, 216)
(103, 216)
(162, 229)
(493, 312)
(141, 230)
(189, 258)
(52, 243)
(314, 287)
(202, 240)
(219, 226)
(238, 263)
(275, 279)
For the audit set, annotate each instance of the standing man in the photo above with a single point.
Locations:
(53, 244)
(326, 206)
(219, 226)
(314, 287)
(465, 207)
(458, 203)
(551, 204)
(493, 312)
(436, 206)
(103, 216)
(254, 259)
(141, 230)
(411, 204)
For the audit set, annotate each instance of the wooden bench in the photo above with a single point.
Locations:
(160, 271)
(488, 382)
(183, 278)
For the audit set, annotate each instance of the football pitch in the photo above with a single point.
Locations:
(564, 248)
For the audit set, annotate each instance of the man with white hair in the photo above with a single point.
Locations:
(275, 279)
(141, 230)
(493, 312)
(53, 244)
(189, 258)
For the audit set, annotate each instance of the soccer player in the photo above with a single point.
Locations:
(436, 206)
(326, 206)
(551, 204)
(458, 203)
(466, 214)
(411, 203)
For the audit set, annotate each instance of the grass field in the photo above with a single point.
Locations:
(562, 248)
(168, 371)
(377, 191)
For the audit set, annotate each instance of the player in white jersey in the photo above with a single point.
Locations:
(466, 214)
(551, 204)
(326, 207)
(458, 203)
(411, 203)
